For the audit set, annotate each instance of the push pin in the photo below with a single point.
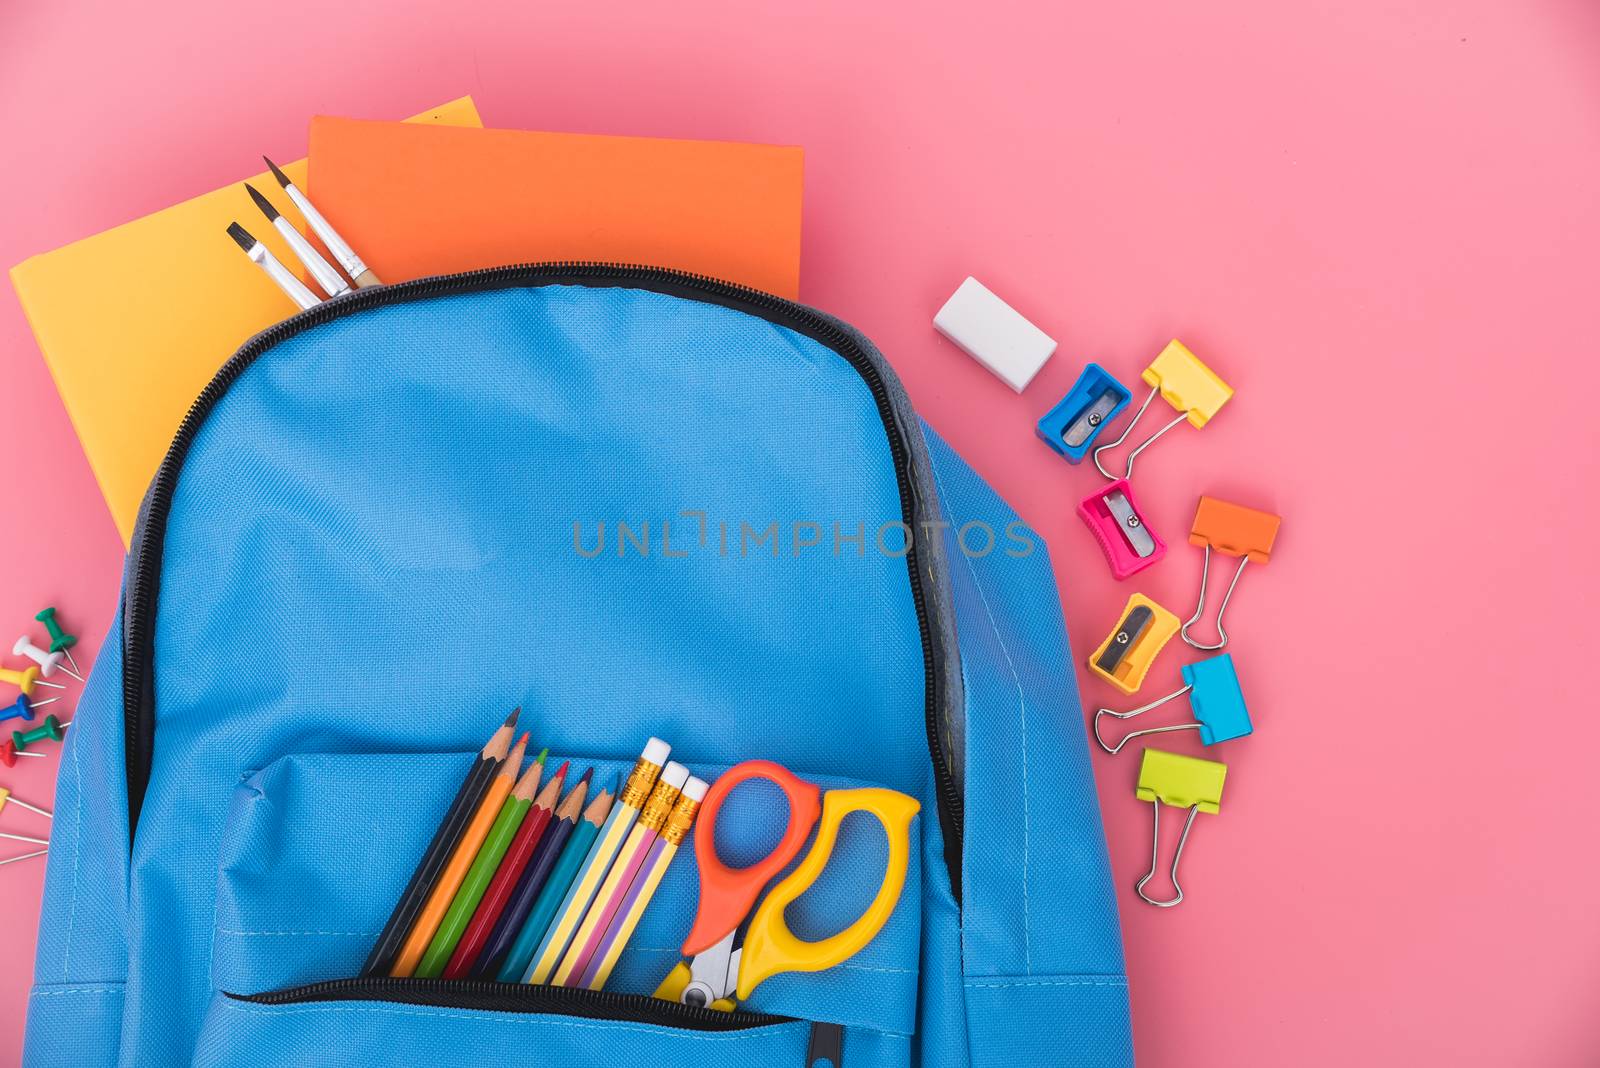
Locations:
(1113, 516)
(1214, 695)
(1095, 399)
(1237, 531)
(51, 728)
(9, 754)
(60, 640)
(26, 679)
(22, 708)
(49, 663)
(1182, 782)
(1183, 382)
(1124, 658)
(6, 796)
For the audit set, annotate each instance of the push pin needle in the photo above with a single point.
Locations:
(25, 856)
(6, 796)
(24, 838)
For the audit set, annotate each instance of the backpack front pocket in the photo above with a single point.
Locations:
(318, 846)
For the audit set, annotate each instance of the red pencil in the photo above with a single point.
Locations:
(495, 898)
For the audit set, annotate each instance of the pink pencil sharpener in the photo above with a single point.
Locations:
(1113, 515)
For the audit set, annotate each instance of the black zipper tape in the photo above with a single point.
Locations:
(143, 586)
(488, 996)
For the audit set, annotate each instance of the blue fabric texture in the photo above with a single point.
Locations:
(630, 513)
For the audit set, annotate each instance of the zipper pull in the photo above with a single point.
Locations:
(826, 1048)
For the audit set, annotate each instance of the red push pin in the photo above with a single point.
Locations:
(9, 754)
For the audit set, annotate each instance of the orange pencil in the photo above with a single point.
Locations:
(444, 891)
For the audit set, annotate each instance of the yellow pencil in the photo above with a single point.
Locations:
(623, 870)
(635, 792)
(444, 891)
(638, 896)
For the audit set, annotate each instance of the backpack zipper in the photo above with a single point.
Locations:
(138, 694)
(488, 996)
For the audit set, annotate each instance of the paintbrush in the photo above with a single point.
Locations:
(276, 271)
(358, 271)
(325, 274)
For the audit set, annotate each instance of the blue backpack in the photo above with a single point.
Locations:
(635, 503)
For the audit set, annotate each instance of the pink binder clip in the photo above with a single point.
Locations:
(1118, 525)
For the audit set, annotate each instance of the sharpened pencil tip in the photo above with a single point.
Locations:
(241, 235)
(511, 720)
(542, 754)
(586, 776)
(562, 770)
(283, 179)
(262, 202)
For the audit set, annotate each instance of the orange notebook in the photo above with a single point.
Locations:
(416, 201)
(134, 321)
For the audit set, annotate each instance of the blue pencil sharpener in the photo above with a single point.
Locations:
(1071, 427)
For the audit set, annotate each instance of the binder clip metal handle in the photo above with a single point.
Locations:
(1155, 857)
(1184, 382)
(1141, 710)
(1247, 533)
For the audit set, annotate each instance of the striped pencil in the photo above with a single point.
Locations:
(623, 871)
(529, 834)
(444, 890)
(644, 885)
(512, 812)
(532, 880)
(587, 882)
(520, 957)
(434, 858)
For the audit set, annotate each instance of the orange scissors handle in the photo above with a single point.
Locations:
(728, 894)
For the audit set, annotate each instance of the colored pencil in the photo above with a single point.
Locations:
(635, 792)
(473, 885)
(520, 958)
(532, 881)
(449, 881)
(662, 850)
(456, 818)
(630, 859)
(505, 878)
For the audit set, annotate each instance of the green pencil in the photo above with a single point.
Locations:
(465, 903)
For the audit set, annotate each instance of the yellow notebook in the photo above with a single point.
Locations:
(134, 322)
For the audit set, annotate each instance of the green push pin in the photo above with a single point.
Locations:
(60, 640)
(51, 728)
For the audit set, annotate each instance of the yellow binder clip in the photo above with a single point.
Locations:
(1124, 658)
(1183, 382)
(1182, 782)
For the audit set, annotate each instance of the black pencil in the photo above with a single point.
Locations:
(438, 852)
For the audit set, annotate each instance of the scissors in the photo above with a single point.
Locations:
(731, 950)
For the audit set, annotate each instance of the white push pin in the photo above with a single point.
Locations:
(49, 663)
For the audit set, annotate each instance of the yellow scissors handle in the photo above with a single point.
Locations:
(771, 947)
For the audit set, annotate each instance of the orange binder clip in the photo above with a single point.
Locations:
(1234, 530)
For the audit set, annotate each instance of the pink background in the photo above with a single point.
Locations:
(1376, 218)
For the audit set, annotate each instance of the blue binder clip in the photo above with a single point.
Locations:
(1094, 400)
(1215, 697)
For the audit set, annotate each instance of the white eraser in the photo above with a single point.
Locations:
(655, 751)
(994, 333)
(674, 774)
(695, 789)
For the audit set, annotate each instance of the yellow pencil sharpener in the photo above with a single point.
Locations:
(1124, 658)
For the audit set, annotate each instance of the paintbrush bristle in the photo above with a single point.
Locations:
(283, 179)
(262, 202)
(241, 235)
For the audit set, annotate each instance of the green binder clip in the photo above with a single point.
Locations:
(1182, 782)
